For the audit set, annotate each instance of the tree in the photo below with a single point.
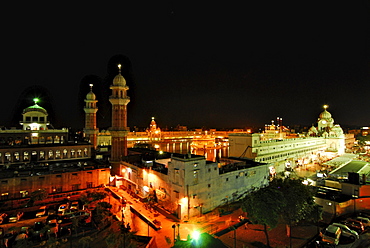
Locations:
(85, 242)
(263, 207)
(285, 199)
(298, 199)
(37, 195)
(89, 197)
(120, 236)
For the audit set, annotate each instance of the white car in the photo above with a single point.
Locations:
(347, 232)
(42, 211)
(62, 208)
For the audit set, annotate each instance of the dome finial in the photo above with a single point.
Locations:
(36, 100)
(119, 68)
(91, 85)
(326, 106)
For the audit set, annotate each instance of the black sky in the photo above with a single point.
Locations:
(214, 65)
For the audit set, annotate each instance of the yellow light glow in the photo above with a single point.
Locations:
(184, 201)
(326, 106)
(123, 170)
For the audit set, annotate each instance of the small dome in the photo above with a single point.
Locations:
(90, 96)
(313, 129)
(119, 80)
(325, 115)
(35, 108)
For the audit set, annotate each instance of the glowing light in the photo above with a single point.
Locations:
(146, 188)
(326, 106)
(129, 170)
(123, 170)
(36, 100)
(160, 152)
(184, 201)
(196, 235)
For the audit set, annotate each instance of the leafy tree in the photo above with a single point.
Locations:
(263, 207)
(85, 242)
(104, 205)
(299, 201)
(284, 199)
(120, 236)
(89, 197)
(37, 195)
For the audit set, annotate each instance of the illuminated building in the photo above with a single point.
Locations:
(189, 185)
(285, 150)
(36, 157)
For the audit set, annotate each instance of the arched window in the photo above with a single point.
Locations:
(26, 156)
(65, 153)
(73, 153)
(16, 156)
(85, 152)
(57, 154)
(8, 157)
(51, 154)
(42, 155)
(79, 153)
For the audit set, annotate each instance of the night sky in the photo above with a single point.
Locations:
(219, 65)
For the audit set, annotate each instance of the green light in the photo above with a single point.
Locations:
(196, 235)
(36, 100)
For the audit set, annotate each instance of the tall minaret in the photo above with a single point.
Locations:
(119, 129)
(90, 109)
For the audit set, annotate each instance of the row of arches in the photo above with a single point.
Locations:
(41, 155)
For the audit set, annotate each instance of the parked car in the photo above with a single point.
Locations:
(13, 218)
(365, 221)
(80, 215)
(53, 227)
(42, 211)
(62, 208)
(354, 225)
(331, 234)
(347, 232)
(75, 205)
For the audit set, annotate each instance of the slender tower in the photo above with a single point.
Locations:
(90, 109)
(119, 129)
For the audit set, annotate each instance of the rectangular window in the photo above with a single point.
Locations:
(75, 187)
(227, 179)
(23, 193)
(89, 184)
(177, 194)
(196, 174)
(4, 182)
(209, 185)
(35, 119)
(58, 175)
(4, 196)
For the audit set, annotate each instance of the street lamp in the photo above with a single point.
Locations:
(178, 231)
(174, 233)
